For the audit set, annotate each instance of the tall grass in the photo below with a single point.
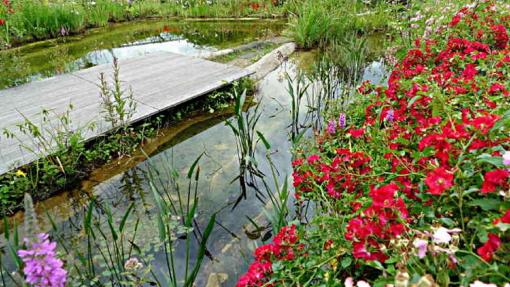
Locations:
(318, 23)
(312, 24)
(35, 19)
(105, 11)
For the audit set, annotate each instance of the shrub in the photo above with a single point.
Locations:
(414, 187)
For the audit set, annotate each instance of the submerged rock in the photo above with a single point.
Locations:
(216, 279)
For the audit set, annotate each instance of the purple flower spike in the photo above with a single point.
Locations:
(331, 127)
(42, 267)
(341, 121)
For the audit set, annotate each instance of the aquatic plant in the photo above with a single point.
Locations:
(186, 213)
(28, 20)
(297, 88)
(244, 125)
(110, 251)
(319, 23)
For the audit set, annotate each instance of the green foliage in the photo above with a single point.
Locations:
(322, 22)
(32, 20)
(111, 251)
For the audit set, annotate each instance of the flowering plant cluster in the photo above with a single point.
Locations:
(415, 183)
(283, 248)
(42, 267)
(5, 10)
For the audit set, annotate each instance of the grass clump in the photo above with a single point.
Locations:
(318, 23)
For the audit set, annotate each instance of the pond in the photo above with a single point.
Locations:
(125, 184)
(98, 46)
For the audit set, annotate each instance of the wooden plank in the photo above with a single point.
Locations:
(159, 82)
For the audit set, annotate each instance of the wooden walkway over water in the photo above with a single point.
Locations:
(159, 82)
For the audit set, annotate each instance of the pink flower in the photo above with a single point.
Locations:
(342, 120)
(349, 282)
(331, 127)
(421, 245)
(441, 236)
(506, 158)
(42, 267)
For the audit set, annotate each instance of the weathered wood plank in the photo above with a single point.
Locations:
(159, 82)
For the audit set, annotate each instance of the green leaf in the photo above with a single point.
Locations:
(486, 203)
(201, 252)
(192, 168)
(346, 262)
(503, 122)
(125, 217)
(447, 221)
(413, 100)
(486, 158)
(264, 140)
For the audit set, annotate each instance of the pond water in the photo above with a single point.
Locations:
(124, 182)
(121, 183)
(99, 46)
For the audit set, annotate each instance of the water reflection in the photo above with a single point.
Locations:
(99, 46)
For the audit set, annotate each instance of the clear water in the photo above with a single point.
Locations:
(230, 246)
(99, 46)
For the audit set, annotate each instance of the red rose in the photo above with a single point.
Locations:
(438, 181)
(493, 179)
(356, 133)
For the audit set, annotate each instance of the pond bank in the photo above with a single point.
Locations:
(194, 38)
(267, 62)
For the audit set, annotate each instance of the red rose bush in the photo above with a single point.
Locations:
(412, 185)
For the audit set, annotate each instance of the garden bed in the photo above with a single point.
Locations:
(411, 185)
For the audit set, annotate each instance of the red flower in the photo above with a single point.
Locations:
(503, 219)
(500, 35)
(493, 179)
(490, 247)
(438, 181)
(313, 158)
(356, 133)
(484, 123)
(2, 22)
(255, 6)
(506, 217)
(498, 88)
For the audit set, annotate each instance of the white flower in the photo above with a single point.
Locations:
(362, 284)
(506, 158)
(349, 282)
(133, 264)
(441, 236)
(481, 284)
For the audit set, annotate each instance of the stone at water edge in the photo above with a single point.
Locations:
(216, 279)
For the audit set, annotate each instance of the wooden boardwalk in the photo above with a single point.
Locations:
(159, 82)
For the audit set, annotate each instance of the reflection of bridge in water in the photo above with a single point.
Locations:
(159, 82)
